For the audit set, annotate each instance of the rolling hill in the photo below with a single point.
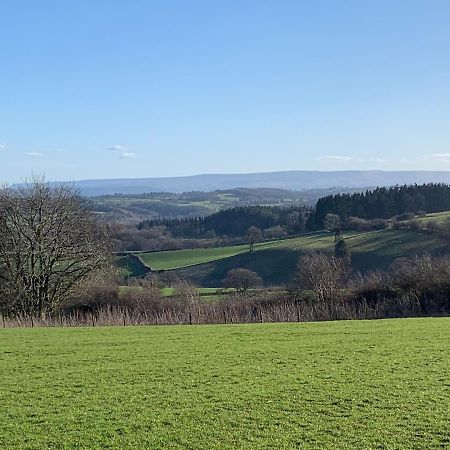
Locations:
(294, 180)
(276, 261)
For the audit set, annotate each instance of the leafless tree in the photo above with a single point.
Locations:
(253, 235)
(186, 292)
(321, 274)
(49, 242)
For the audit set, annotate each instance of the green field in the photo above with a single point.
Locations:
(439, 217)
(337, 385)
(276, 261)
(176, 259)
(202, 292)
(182, 258)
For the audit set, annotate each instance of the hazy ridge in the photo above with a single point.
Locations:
(294, 180)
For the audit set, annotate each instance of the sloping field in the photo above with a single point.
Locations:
(276, 261)
(175, 259)
(346, 385)
(182, 258)
(439, 217)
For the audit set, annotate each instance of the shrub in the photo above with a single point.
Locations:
(242, 279)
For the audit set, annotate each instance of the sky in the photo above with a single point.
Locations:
(147, 88)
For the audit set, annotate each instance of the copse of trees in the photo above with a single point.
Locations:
(383, 203)
(49, 242)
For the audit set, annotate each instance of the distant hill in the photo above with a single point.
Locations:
(135, 208)
(294, 180)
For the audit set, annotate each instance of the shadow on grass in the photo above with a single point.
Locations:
(274, 266)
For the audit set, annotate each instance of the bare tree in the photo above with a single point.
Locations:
(186, 292)
(253, 235)
(49, 241)
(322, 274)
(242, 279)
(189, 296)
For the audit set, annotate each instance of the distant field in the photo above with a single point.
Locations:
(276, 261)
(205, 293)
(134, 208)
(336, 385)
(434, 217)
(182, 258)
(202, 291)
(176, 259)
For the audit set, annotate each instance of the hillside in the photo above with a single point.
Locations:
(276, 261)
(293, 180)
(134, 208)
(438, 218)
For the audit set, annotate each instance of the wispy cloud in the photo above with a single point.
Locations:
(117, 148)
(440, 157)
(336, 158)
(34, 154)
(127, 155)
(122, 151)
(2, 146)
(379, 160)
(437, 156)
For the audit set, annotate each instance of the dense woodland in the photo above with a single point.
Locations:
(235, 221)
(383, 203)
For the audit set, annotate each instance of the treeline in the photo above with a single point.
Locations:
(383, 203)
(325, 288)
(363, 211)
(235, 222)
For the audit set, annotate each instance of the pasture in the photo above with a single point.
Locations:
(174, 259)
(439, 218)
(347, 385)
(276, 261)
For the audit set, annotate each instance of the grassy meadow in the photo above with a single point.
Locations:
(174, 259)
(276, 261)
(347, 385)
(439, 218)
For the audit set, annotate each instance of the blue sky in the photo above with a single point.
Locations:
(109, 88)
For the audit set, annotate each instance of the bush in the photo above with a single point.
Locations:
(242, 280)
(379, 224)
(93, 294)
(277, 232)
(405, 216)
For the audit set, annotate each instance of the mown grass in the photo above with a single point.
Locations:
(342, 385)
